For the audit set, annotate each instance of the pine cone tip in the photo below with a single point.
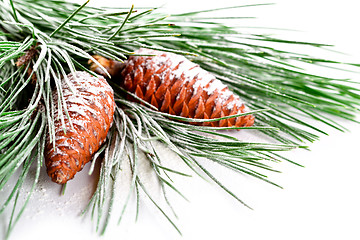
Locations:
(59, 176)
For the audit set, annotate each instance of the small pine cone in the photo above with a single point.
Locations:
(112, 67)
(91, 109)
(177, 86)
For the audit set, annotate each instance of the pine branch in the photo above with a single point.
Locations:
(63, 36)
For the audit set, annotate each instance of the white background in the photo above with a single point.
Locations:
(320, 201)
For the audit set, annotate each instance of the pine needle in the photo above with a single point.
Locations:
(68, 19)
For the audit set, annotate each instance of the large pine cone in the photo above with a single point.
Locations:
(91, 110)
(177, 86)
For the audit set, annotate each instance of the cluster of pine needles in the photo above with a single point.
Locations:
(47, 39)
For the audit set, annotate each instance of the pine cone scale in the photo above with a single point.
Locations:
(150, 90)
(199, 113)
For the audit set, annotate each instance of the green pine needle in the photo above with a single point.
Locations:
(123, 23)
(69, 18)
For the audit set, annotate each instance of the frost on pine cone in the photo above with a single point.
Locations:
(177, 86)
(91, 109)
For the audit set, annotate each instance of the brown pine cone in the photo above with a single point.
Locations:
(91, 111)
(177, 86)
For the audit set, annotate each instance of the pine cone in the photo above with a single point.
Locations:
(180, 87)
(91, 111)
